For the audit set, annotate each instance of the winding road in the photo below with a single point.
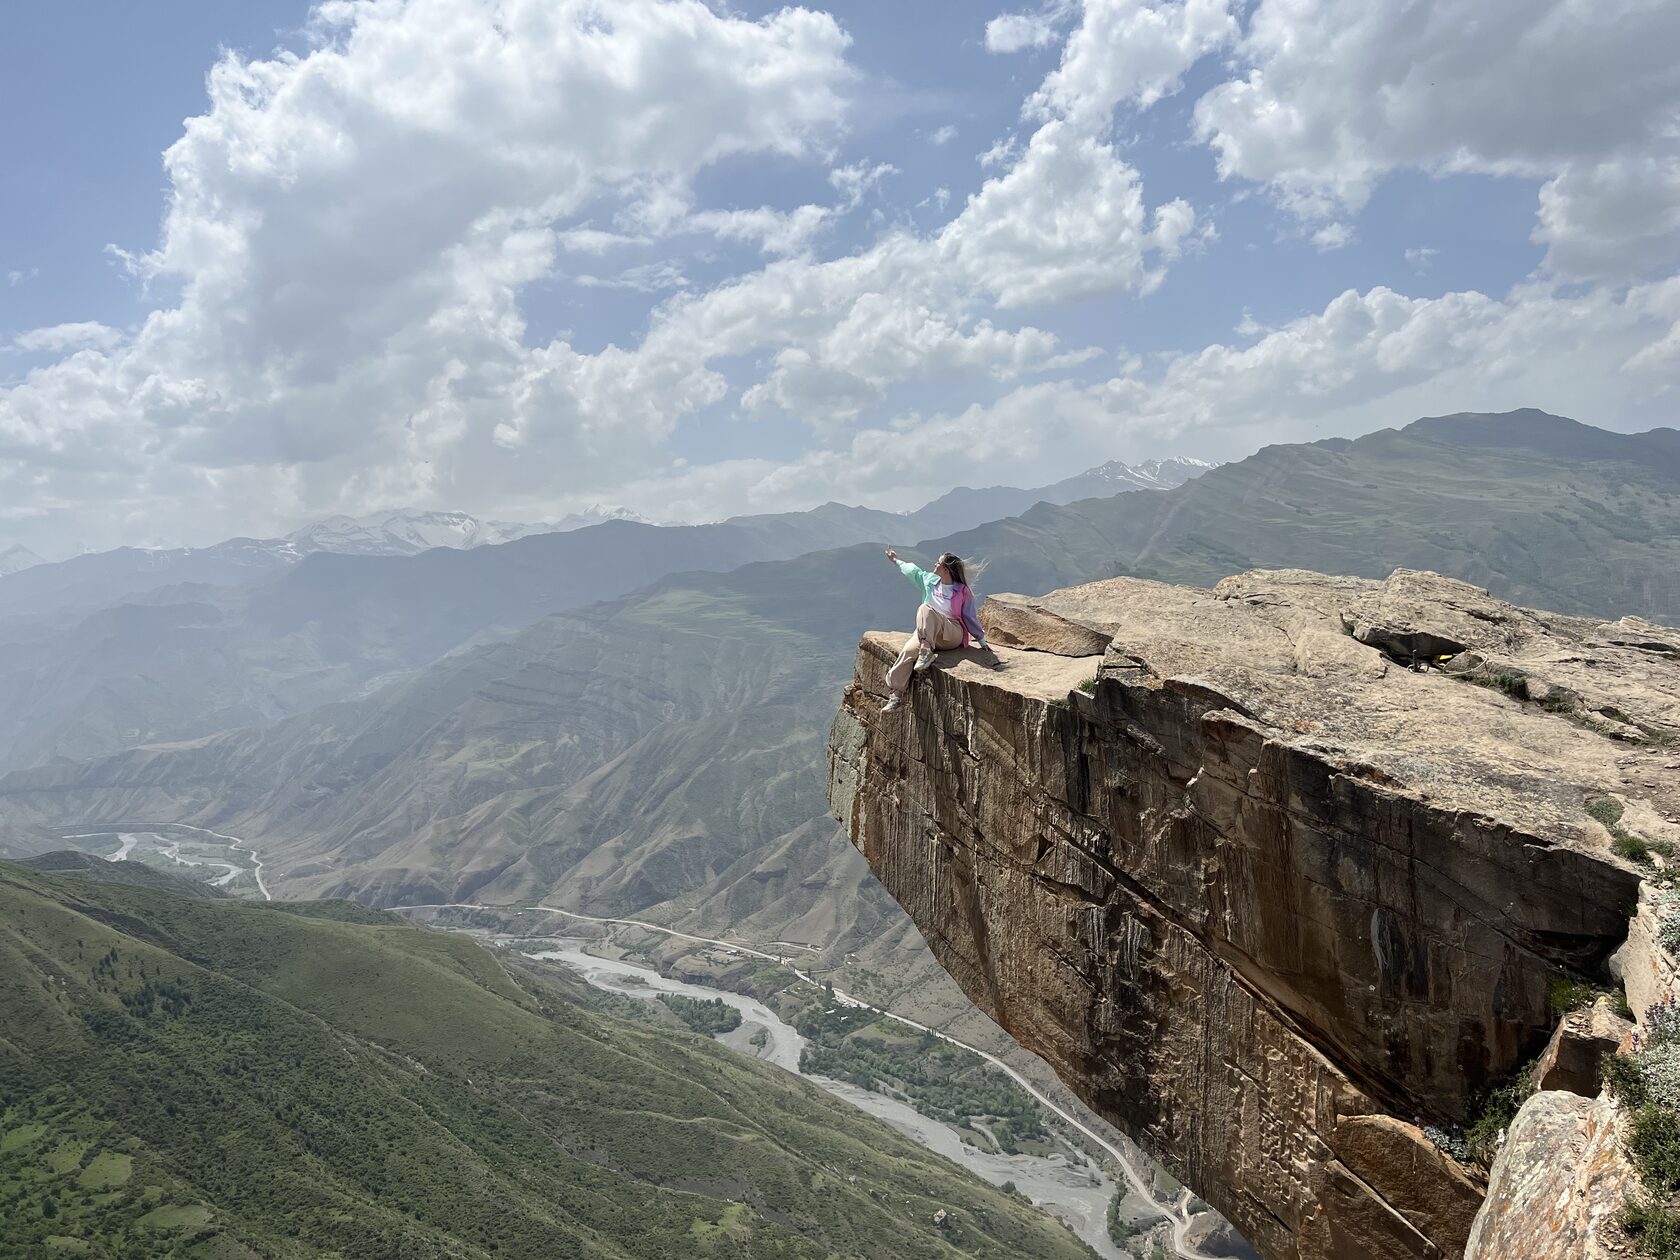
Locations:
(1177, 1213)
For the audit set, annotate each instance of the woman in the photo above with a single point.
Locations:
(945, 620)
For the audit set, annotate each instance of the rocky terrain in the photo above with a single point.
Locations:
(1276, 873)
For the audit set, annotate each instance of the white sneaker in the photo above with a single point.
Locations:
(896, 702)
(924, 658)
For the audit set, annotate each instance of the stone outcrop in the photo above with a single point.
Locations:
(1283, 873)
(1557, 1188)
(1573, 1057)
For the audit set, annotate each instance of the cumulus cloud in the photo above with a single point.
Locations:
(353, 232)
(1367, 360)
(1132, 51)
(62, 338)
(350, 228)
(1334, 94)
(1332, 236)
(1013, 32)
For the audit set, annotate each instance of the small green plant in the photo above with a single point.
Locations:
(1449, 1141)
(1509, 681)
(1089, 686)
(1560, 702)
(1493, 1115)
(1654, 1143)
(1655, 1228)
(1606, 809)
(1635, 848)
(1565, 993)
(1627, 845)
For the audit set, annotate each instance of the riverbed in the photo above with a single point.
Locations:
(1066, 1183)
(210, 853)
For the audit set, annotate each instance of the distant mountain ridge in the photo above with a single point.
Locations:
(16, 558)
(405, 532)
(101, 578)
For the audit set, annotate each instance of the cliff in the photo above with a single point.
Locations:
(1273, 873)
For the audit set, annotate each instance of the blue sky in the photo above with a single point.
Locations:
(517, 256)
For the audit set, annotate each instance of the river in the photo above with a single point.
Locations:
(1068, 1184)
(139, 845)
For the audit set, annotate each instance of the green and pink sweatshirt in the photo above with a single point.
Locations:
(949, 599)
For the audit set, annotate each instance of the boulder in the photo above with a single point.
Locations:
(1557, 1188)
(1572, 1058)
(1019, 621)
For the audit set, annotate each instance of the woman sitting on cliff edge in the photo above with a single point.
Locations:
(945, 620)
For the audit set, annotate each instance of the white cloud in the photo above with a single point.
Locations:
(63, 338)
(586, 240)
(1013, 32)
(349, 230)
(773, 231)
(854, 182)
(1067, 221)
(1132, 51)
(944, 135)
(1332, 236)
(1367, 360)
(18, 275)
(646, 278)
(1334, 94)
(1419, 257)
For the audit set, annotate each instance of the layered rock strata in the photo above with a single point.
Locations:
(1281, 874)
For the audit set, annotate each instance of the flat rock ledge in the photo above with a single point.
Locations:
(1282, 874)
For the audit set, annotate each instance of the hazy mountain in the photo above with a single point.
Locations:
(197, 659)
(405, 532)
(596, 514)
(664, 751)
(212, 1077)
(16, 558)
(965, 508)
(99, 579)
(1115, 477)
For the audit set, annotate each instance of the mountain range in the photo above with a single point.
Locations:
(628, 720)
(131, 647)
(660, 753)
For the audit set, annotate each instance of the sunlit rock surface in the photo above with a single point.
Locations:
(1283, 873)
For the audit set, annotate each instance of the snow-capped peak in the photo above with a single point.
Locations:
(16, 558)
(406, 532)
(595, 514)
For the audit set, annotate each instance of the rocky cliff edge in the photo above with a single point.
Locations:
(1274, 874)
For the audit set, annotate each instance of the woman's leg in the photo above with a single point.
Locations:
(898, 677)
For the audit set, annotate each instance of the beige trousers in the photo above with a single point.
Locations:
(933, 630)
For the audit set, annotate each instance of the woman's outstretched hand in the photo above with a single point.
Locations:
(892, 555)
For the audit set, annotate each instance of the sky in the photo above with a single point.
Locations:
(265, 262)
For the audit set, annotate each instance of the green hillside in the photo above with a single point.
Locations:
(138, 874)
(190, 1076)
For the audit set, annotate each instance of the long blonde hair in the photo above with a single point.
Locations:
(960, 572)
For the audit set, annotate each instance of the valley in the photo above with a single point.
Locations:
(653, 761)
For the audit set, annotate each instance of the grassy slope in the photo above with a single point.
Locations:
(217, 1078)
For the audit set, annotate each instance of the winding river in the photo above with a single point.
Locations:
(1067, 1184)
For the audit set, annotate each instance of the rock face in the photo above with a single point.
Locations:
(1558, 1185)
(1262, 892)
(1572, 1058)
